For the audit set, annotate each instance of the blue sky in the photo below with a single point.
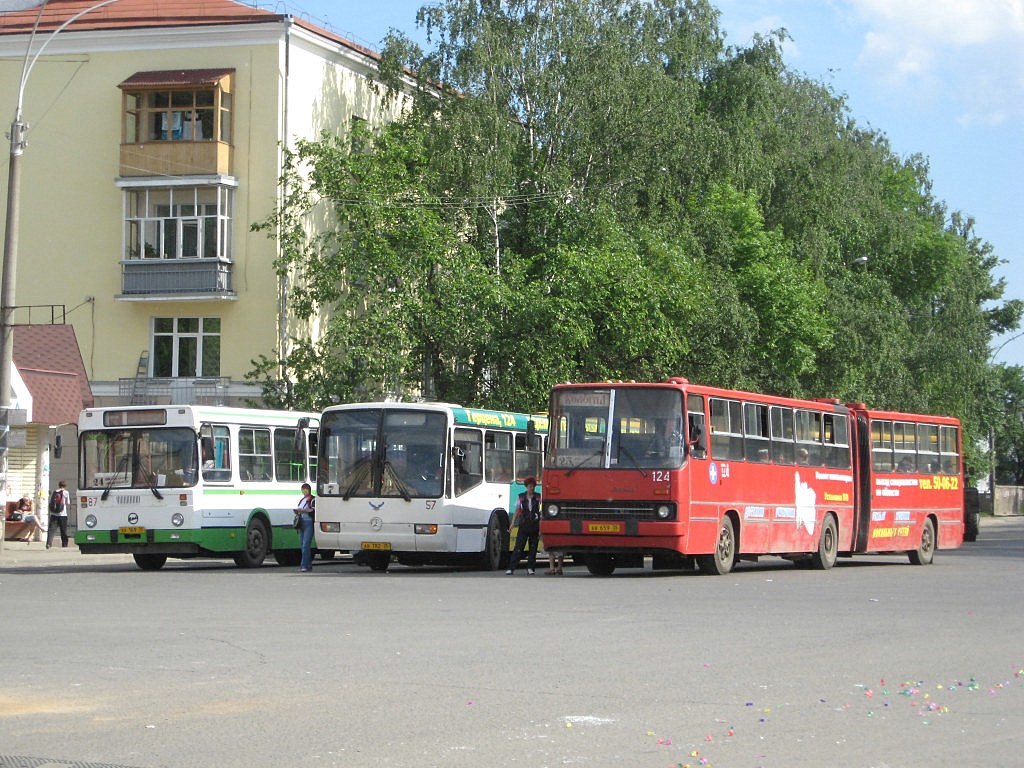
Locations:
(941, 78)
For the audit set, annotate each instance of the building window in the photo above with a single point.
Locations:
(178, 222)
(186, 347)
(186, 105)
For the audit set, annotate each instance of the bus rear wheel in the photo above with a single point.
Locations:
(926, 549)
(257, 544)
(720, 562)
(149, 562)
(601, 565)
(828, 545)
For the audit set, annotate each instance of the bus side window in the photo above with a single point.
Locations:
(528, 456)
(312, 446)
(468, 455)
(698, 436)
(216, 456)
(289, 462)
(696, 427)
(254, 454)
(498, 456)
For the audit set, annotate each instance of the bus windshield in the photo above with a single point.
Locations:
(616, 428)
(383, 453)
(138, 458)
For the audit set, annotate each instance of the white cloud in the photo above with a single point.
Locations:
(945, 23)
(967, 52)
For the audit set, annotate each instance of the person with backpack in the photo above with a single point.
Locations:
(60, 500)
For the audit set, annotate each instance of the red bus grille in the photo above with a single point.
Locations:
(597, 510)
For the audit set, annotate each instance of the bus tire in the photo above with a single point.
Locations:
(600, 565)
(721, 561)
(289, 557)
(257, 545)
(828, 545)
(495, 544)
(926, 549)
(326, 554)
(148, 562)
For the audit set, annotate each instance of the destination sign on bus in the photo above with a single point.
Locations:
(587, 399)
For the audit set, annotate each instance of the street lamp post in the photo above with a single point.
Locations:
(10, 257)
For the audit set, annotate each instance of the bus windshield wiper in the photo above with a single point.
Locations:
(122, 464)
(636, 464)
(585, 459)
(400, 485)
(358, 474)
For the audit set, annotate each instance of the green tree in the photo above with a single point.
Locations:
(603, 190)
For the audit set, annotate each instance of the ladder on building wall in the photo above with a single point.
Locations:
(141, 378)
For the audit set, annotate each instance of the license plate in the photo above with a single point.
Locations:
(604, 527)
(132, 530)
(376, 545)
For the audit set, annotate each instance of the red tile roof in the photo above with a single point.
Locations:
(133, 14)
(56, 397)
(172, 78)
(140, 14)
(50, 363)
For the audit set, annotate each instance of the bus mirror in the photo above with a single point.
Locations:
(58, 446)
(531, 432)
(303, 425)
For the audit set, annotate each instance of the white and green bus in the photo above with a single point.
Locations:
(423, 483)
(189, 481)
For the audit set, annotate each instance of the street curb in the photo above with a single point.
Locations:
(34, 554)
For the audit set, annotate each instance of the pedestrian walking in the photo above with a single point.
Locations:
(60, 500)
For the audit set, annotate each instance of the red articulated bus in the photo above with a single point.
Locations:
(685, 473)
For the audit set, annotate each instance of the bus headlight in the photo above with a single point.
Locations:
(330, 527)
(426, 528)
(90, 521)
(664, 512)
(551, 510)
(177, 519)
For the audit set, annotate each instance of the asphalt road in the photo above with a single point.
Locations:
(874, 664)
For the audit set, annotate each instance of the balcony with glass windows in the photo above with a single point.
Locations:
(176, 278)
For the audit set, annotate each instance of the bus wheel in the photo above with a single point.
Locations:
(150, 562)
(257, 544)
(290, 557)
(326, 554)
(720, 562)
(495, 544)
(828, 545)
(379, 561)
(926, 550)
(601, 565)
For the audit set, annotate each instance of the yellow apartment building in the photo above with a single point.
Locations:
(155, 140)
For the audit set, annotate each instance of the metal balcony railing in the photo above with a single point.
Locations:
(161, 277)
(174, 391)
